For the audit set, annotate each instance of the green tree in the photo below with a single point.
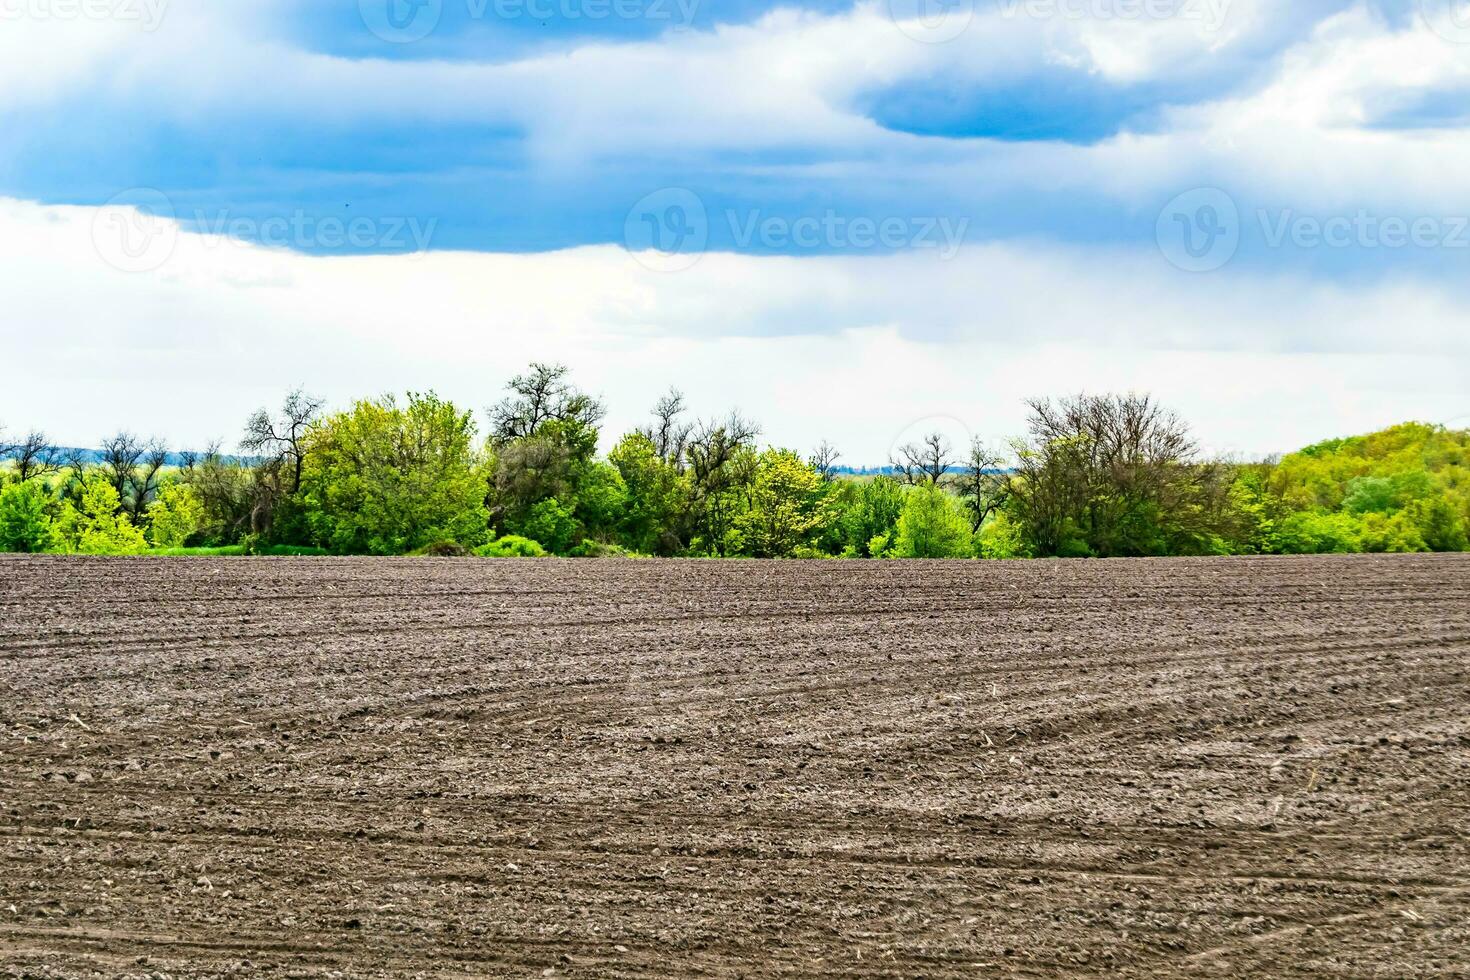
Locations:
(601, 500)
(933, 524)
(656, 496)
(26, 524)
(868, 510)
(95, 524)
(787, 509)
(385, 478)
(175, 516)
(1000, 537)
(551, 523)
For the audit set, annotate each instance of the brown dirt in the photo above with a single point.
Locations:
(471, 767)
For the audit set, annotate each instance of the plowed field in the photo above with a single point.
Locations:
(382, 768)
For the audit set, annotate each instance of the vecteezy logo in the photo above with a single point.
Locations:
(668, 230)
(401, 21)
(135, 231)
(1450, 19)
(932, 21)
(1199, 231)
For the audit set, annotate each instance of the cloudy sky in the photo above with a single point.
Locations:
(851, 220)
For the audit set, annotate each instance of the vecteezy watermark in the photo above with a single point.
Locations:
(303, 231)
(1209, 14)
(1199, 231)
(147, 14)
(669, 230)
(1363, 229)
(136, 230)
(932, 21)
(406, 21)
(1450, 19)
(401, 21)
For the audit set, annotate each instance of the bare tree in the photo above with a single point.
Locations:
(540, 396)
(926, 461)
(34, 456)
(133, 467)
(824, 461)
(75, 461)
(282, 440)
(1118, 473)
(237, 498)
(144, 482)
(120, 455)
(669, 433)
(718, 452)
(982, 483)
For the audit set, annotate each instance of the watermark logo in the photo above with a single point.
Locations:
(932, 21)
(1363, 230)
(1450, 19)
(136, 230)
(407, 21)
(1199, 231)
(401, 21)
(146, 14)
(679, 14)
(303, 231)
(1211, 15)
(668, 230)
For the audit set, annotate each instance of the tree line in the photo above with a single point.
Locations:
(1093, 476)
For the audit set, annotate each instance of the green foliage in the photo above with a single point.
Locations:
(26, 524)
(932, 524)
(869, 510)
(388, 479)
(551, 523)
(511, 546)
(601, 500)
(175, 516)
(1001, 537)
(95, 524)
(786, 507)
(1402, 489)
(656, 494)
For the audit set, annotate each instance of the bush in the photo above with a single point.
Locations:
(445, 549)
(25, 523)
(511, 546)
(932, 525)
(1000, 538)
(95, 526)
(175, 516)
(550, 523)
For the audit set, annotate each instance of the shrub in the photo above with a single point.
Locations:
(175, 516)
(932, 525)
(25, 523)
(550, 523)
(511, 546)
(96, 526)
(445, 549)
(1001, 537)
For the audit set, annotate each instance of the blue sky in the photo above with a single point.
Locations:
(1259, 151)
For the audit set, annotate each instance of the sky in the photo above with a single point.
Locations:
(853, 221)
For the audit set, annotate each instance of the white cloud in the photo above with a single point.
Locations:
(860, 349)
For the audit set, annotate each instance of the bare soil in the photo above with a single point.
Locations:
(387, 768)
